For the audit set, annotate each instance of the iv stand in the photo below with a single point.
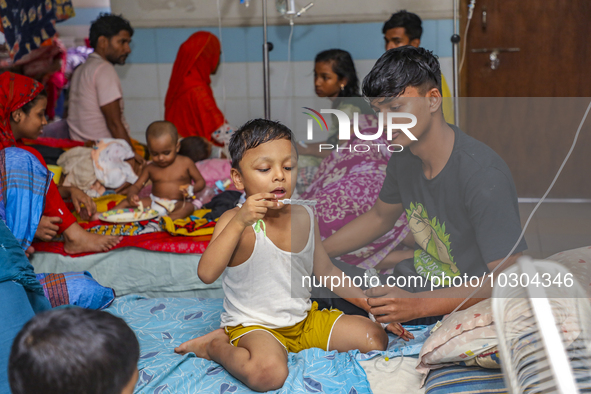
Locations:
(266, 82)
(455, 39)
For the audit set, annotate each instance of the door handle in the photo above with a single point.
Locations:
(484, 15)
(494, 54)
(497, 50)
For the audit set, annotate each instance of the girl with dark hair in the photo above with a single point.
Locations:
(335, 78)
(22, 115)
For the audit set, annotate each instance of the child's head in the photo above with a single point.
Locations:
(28, 120)
(406, 79)
(163, 142)
(195, 148)
(74, 351)
(335, 75)
(264, 158)
(403, 28)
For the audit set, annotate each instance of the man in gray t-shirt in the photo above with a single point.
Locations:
(457, 193)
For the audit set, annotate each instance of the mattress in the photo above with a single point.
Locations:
(136, 271)
(163, 324)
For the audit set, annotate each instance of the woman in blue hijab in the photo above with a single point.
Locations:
(23, 185)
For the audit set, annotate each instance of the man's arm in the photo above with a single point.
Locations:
(323, 268)
(112, 114)
(364, 229)
(396, 305)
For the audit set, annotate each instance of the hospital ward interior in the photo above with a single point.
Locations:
(295, 196)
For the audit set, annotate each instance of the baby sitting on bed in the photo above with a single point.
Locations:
(265, 251)
(169, 172)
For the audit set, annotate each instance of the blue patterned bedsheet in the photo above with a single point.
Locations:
(161, 324)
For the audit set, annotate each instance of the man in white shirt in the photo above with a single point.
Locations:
(96, 98)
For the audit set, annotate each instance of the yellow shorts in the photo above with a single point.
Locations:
(313, 331)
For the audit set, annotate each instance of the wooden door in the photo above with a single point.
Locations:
(528, 103)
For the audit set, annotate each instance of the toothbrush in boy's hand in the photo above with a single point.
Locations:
(289, 201)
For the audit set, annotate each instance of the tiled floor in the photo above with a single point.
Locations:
(556, 227)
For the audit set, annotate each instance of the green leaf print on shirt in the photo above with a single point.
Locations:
(434, 258)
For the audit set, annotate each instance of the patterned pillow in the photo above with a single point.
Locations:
(463, 336)
(468, 334)
(76, 288)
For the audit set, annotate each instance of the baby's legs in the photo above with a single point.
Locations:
(357, 332)
(259, 360)
(182, 210)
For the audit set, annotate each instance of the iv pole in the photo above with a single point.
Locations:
(455, 39)
(266, 82)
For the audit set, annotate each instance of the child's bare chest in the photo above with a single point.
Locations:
(173, 173)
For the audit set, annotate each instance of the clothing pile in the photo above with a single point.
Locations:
(94, 170)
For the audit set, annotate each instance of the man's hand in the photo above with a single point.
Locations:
(393, 304)
(80, 198)
(255, 207)
(139, 160)
(47, 228)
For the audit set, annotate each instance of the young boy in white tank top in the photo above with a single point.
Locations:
(263, 250)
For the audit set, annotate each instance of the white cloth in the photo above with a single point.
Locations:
(261, 292)
(94, 84)
(159, 208)
(108, 158)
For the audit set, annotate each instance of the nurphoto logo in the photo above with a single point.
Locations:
(392, 127)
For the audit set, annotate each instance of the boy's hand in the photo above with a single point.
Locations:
(397, 329)
(255, 208)
(133, 200)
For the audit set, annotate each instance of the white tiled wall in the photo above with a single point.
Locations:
(144, 89)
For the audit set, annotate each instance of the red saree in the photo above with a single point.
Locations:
(189, 103)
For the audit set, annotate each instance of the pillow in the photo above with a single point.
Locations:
(462, 336)
(468, 334)
(76, 288)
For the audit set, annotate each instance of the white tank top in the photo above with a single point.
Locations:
(260, 291)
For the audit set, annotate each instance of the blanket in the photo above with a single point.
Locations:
(161, 324)
(157, 242)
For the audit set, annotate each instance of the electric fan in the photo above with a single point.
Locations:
(543, 321)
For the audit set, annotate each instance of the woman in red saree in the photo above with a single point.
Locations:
(189, 103)
(22, 115)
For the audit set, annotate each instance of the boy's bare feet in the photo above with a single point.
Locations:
(199, 345)
(78, 240)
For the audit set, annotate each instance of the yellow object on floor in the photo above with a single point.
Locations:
(181, 226)
(57, 173)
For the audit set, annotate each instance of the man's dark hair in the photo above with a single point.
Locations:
(343, 67)
(195, 148)
(108, 25)
(411, 22)
(28, 106)
(254, 133)
(400, 68)
(74, 351)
